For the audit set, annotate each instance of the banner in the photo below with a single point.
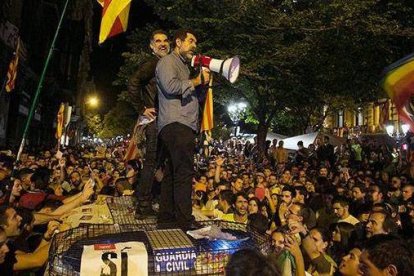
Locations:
(117, 259)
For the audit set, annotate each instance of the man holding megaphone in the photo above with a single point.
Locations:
(178, 123)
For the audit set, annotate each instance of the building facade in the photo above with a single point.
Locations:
(370, 119)
(34, 23)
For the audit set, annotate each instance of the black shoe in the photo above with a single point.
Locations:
(166, 221)
(189, 226)
(142, 213)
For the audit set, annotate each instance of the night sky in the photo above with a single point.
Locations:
(106, 58)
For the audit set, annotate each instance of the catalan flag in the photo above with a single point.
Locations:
(60, 121)
(133, 152)
(114, 18)
(398, 82)
(12, 72)
(207, 122)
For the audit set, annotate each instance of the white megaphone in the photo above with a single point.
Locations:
(229, 68)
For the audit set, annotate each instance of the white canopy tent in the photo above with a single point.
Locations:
(270, 136)
(310, 138)
(291, 143)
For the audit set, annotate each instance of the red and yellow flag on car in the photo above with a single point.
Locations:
(398, 82)
(114, 18)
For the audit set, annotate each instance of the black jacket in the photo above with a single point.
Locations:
(142, 85)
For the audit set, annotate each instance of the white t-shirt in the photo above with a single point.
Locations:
(350, 219)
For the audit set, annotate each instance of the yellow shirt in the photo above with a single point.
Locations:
(230, 218)
(281, 155)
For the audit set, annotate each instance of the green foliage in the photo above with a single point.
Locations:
(296, 56)
(119, 121)
(284, 122)
(94, 123)
(221, 132)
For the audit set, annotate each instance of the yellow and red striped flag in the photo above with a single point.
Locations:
(12, 72)
(207, 123)
(114, 18)
(398, 82)
(60, 119)
(132, 151)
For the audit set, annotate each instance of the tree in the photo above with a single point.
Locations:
(228, 27)
(296, 56)
(94, 123)
(119, 121)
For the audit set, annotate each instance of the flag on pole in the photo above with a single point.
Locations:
(207, 122)
(133, 152)
(398, 82)
(12, 71)
(60, 121)
(114, 18)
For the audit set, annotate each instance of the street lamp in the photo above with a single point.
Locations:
(236, 110)
(88, 111)
(405, 128)
(398, 132)
(395, 132)
(390, 129)
(92, 101)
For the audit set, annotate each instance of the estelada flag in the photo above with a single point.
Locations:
(114, 18)
(207, 122)
(60, 119)
(398, 82)
(12, 71)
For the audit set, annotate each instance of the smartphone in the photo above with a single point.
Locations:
(91, 172)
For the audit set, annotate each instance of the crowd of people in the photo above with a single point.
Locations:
(43, 188)
(347, 210)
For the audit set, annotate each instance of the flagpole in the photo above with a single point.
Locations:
(39, 86)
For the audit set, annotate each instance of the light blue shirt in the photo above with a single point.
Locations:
(177, 96)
